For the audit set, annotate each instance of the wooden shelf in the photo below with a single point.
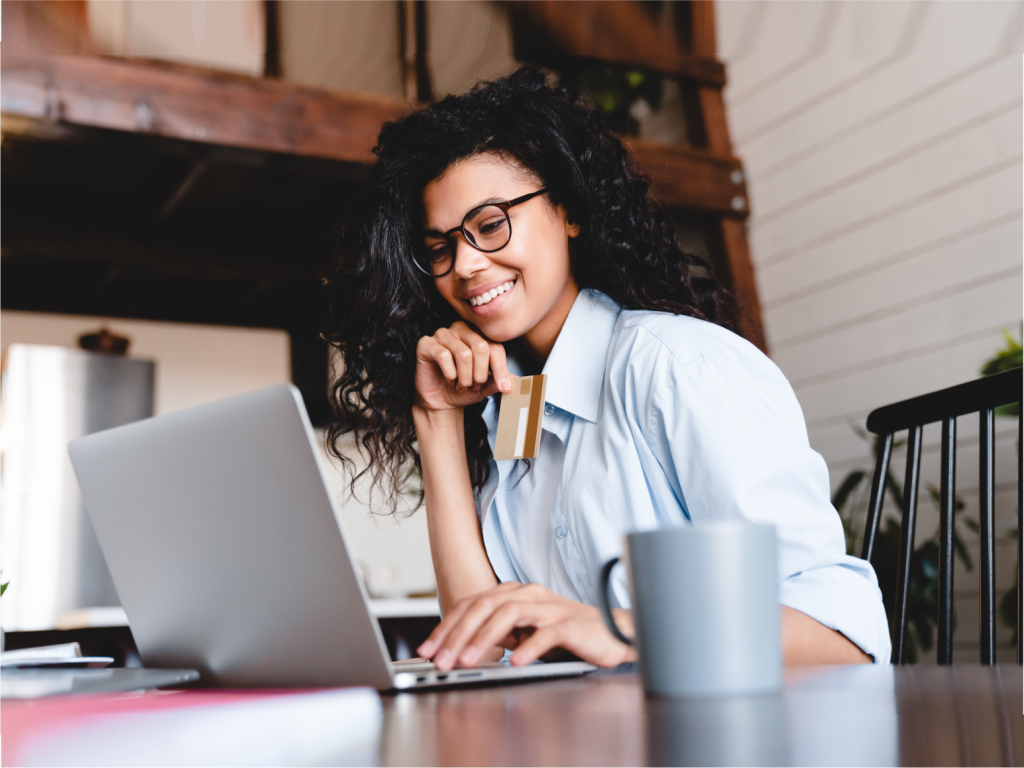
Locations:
(40, 95)
(147, 190)
(196, 105)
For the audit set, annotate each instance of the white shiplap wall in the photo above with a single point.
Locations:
(882, 143)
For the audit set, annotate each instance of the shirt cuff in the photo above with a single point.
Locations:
(842, 599)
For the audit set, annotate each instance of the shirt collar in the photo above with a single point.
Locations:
(575, 367)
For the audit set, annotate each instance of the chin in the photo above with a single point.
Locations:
(499, 330)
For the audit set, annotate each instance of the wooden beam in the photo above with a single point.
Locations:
(276, 116)
(196, 104)
(692, 178)
(616, 31)
(716, 128)
(702, 28)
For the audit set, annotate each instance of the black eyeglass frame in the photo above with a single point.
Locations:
(462, 228)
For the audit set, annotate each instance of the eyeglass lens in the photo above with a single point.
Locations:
(486, 229)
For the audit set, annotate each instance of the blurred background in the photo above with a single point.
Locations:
(173, 169)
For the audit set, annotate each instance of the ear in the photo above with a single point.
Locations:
(572, 229)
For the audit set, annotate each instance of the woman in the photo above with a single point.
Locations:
(507, 232)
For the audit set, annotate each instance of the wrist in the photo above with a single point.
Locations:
(428, 419)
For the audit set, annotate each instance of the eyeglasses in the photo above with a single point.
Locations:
(487, 228)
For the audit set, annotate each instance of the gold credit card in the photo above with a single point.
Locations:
(519, 418)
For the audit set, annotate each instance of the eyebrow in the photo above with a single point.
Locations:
(481, 204)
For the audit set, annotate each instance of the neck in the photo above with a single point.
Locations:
(540, 339)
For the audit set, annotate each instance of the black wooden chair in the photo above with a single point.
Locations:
(981, 396)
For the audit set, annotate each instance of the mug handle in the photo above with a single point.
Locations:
(606, 609)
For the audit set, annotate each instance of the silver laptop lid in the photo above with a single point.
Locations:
(224, 545)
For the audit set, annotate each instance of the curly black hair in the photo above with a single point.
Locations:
(380, 305)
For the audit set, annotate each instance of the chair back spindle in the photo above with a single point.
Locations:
(981, 396)
(910, 483)
(986, 532)
(947, 503)
(878, 480)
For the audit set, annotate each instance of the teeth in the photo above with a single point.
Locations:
(486, 298)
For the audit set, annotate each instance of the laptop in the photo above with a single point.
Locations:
(223, 542)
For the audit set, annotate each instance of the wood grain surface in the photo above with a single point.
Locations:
(43, 93)
(925, 715)
(197, 104)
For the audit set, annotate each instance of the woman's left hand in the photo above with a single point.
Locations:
(528, 618)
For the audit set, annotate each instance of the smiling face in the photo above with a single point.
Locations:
(526, 289)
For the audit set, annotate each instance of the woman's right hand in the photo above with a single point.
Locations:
(457, 367)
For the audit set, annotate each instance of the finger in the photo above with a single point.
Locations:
(429, 647)
(493, 366)
(481, 351)
(587, 639)
(465, 628)
(512, 640)
(481, 361)
(513, 615)
(462, 354)
(531, 602)
(499, 368)
(488, 389)
(480, 609)
(429, 349)
(537, 644)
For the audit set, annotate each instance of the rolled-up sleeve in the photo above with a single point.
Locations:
(730, 436)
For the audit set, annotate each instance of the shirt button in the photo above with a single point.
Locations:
(560, 531)
(548, 411)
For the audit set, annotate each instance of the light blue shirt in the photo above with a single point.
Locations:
(655, 420)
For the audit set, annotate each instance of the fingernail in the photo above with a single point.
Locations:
(426, 649)
(469, 655)
(444, 660)
(506, 385)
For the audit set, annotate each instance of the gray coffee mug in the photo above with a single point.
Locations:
(705, 608)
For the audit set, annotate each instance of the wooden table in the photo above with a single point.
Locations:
(961, 715)
(965, 715)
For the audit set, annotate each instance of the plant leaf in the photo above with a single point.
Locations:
(848, 486)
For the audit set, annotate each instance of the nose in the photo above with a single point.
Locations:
(468, 260)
